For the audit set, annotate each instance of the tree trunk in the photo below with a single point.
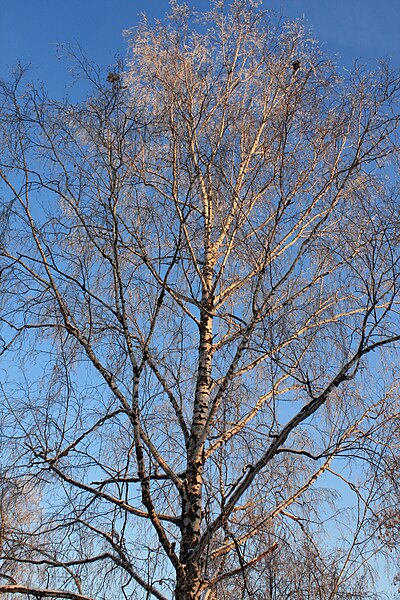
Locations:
(188, 583)
(188, 586)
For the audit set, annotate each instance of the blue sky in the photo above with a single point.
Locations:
(31, 29)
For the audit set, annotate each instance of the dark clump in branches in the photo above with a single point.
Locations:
(295, 66)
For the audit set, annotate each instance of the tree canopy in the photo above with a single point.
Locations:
(199, 319)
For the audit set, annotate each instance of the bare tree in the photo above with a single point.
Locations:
(200, 270)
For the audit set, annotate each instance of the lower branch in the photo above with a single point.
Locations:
(41, 593)
(246, 566)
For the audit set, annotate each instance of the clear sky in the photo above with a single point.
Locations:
(31, 29)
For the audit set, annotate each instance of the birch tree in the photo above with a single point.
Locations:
(200, 271)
